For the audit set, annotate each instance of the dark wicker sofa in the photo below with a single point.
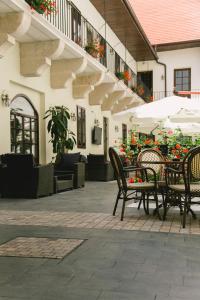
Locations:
(21, 178)
(98, 168)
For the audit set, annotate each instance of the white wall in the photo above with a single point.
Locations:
(42, 96)
(180, 59)
(176, 59)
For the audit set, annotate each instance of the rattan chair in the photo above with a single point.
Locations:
(128, 191)
(183, 185)
(151, 156)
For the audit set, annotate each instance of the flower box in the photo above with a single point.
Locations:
(42, 6)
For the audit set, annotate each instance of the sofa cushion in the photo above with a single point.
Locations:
(83, 159)
(18, 161)
(68, 160)
(96, 159)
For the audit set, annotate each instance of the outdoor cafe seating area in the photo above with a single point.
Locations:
(164, 168)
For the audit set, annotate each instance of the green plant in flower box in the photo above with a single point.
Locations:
(95, 49)
(43, 6)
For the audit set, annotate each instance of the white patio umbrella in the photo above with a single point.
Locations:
(163, 108)
(186, 116)
(186, 128)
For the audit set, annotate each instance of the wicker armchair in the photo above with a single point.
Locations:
(128, 191)
(184, 184)
(71, 164)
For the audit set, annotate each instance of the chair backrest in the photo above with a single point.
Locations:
(118, 168)
(67, 160)
(152, 155)
(191, 165)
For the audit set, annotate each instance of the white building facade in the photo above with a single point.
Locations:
(43, 63)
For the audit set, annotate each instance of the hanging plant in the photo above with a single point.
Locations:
(123, 75)
(127, 76)
(42, 6)
(95, 49)
(120, 75)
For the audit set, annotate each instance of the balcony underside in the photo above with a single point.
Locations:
(124, 23)
(68, 62)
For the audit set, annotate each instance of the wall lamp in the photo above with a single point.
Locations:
(116, 128)
(73, 116)
(5, 98)
(96, 122)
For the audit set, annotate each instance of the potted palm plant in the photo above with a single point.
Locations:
(62, 138)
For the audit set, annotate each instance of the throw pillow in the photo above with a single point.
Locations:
(96, 159)
(68, 160)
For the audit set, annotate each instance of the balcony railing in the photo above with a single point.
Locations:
(194, 94)
(72, 24)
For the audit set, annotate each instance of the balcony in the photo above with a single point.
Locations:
(74, 26)
(62, 42)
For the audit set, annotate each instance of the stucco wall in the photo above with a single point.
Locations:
(176, 59)
(42, 96)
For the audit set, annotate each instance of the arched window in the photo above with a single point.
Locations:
(24, 127)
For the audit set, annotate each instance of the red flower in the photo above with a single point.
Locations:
(151, 98)
(170, 132)
(127, 75)
(178, 146)
(133, 141)
(185, 150)
(147, 141)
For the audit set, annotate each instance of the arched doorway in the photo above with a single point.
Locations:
(24, 127)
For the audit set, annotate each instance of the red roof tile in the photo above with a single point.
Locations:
(168, 21)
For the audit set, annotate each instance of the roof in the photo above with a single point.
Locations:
(168, 21)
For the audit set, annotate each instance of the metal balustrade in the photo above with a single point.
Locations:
(68, 19)
(72, 24)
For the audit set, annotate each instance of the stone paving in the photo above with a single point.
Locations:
(100, 221)
(137, 259)
(39, 247)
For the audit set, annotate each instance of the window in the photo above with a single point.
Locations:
(81, 127)
(90, 37)
(117, 63)
(124, 132)
(76, 26)
(146, 78)
(24, 127)
(182, 80)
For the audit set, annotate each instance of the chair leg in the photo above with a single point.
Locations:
(165, 207)
(123, 208)
(157, 205)
(140, 202)
(190, 210)
(144, 204)
(147, 207)
(184, 211)
(116, 202)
